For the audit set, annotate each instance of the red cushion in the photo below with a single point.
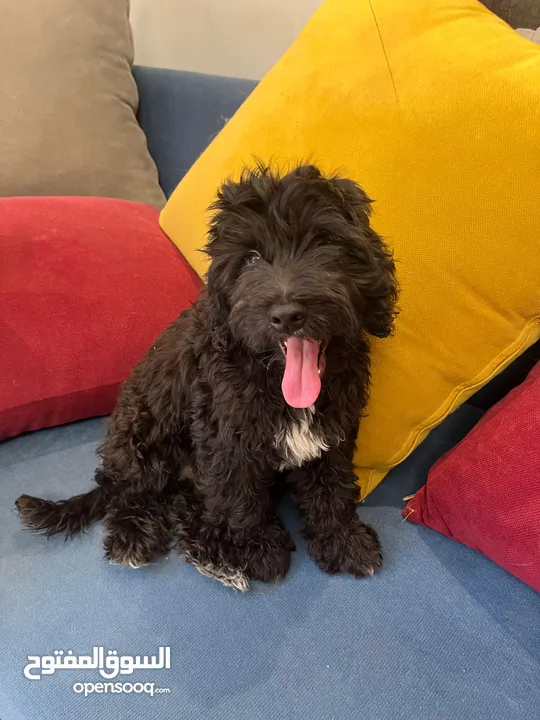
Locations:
(86, 285)
(485, 492)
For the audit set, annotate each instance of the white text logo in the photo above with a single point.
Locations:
(109, 665)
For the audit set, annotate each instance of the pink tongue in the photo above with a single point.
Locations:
(301, 381)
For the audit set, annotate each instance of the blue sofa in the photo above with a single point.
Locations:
(440, 634)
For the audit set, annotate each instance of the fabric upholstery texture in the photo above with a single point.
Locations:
(485, 492)
(440, 633)
(86, 286)
(68, 102)
(433, 106)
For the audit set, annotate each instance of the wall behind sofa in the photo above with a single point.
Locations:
(243, 38)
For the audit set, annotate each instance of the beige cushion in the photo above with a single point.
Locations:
(533, 35)
(68, 102)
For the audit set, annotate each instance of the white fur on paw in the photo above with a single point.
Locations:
(228, 576)
(131, 564)
(129, 560)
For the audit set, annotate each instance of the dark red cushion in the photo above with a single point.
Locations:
(485, 492)
(86, 285)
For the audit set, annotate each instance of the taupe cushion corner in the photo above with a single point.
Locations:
(68, 103)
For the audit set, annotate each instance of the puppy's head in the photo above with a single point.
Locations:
(294, 266)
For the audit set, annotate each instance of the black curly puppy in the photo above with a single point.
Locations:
(266, 376)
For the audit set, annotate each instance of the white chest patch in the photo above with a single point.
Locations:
(298, 442)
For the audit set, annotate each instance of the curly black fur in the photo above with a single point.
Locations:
(202, 432)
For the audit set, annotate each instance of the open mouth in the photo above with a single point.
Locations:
(305, 362)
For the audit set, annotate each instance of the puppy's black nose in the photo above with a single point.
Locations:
(287, 318)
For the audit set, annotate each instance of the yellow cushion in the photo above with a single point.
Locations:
(434, 107)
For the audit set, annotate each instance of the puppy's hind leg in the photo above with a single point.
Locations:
(139, 528)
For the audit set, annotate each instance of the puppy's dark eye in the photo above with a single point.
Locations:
(252, 257)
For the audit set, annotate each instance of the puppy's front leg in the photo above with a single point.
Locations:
(326, 495)
(239, 537)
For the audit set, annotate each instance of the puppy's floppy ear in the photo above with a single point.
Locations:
(382, 293)
(376, 275)
(236, 206)
(218, 278)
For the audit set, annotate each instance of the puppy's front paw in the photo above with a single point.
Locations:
(269, 556)
(269, 563)
(354, 549)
